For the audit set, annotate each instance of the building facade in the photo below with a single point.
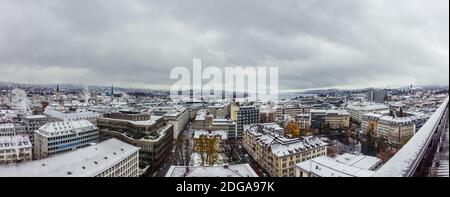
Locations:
(376, 95)
(205, 121)
(276, 153)
(179, 118)
(15, 149)
(333, 119)
(358, 110)
(61, 137)
(394, 130)
(111, 158)
(33, 123)
(246, 115)
(151, 134)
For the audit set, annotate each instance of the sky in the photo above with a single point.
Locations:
(314, 43)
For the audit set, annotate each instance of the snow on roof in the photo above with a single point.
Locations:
(280, 145)
(400, 164)
(237, 170)
(35, 116)
(367, 107)
(14, 142)
(7, 126)
(360, 161)
(150, 122)
(58, 128)
(223, 134)
(324, 166)
(84, 162)
(340, 112)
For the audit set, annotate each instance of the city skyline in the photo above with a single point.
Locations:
(316, 45)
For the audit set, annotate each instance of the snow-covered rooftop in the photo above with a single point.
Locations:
(63, 128)
(237, 170)
(150, 122)
(85, 162)
(14, 142)
(223, 134)
(270, 134)
(35, 117)
(324, 166)
(367, 106)
(360, 161)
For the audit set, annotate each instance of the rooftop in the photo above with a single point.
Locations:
(61, 128)
(324, 166)
(35, 117)
(360, 161)
(270, 134)
(237, 170)
(152, 121)
(14, 142)
(85, 162)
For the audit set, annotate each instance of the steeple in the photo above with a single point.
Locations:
(57, 88)
(112, 90)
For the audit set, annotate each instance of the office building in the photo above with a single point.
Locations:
(11, 129)
(150, 133)
(56, 115)
(303, 121)
(246, 115)
(111, 158)
(333, 119)
(376, 95)
(205, 121)
(61, 137)
(357, 110)
(15, 149)
(33, 123)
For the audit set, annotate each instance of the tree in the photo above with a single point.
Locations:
(380, 143)
(327, 128)
(292, 129)
(208, 147)
(400, 113)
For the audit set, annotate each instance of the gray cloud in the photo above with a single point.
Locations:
(315, 43)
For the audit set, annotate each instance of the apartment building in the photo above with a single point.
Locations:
(395, 130)
(56, 115)
(276, 153)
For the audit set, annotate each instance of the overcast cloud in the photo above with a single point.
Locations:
(315, 43)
